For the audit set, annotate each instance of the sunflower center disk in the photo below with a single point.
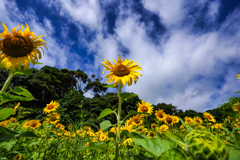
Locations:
(144, 109)
(50, 106)
(17, 46)
(160, 115)
(34, 124)
(121, 71)
(169, 120)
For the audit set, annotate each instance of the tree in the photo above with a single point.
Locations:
(96, 86)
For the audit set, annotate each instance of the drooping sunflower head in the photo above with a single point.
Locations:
(53, 106)
(124, 71)
(160, 115)
(19, 48)
(209, 117)
(168, 120)
(145, 107)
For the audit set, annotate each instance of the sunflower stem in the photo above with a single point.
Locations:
(119, 125)
(6, 84)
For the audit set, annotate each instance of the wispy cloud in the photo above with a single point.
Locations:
(189, 57)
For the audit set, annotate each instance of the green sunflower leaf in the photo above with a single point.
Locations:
(105, 124)
(6, 97)
(5, 113)
(8, 131)
(6, 137)
(237, 92)
(28, 134)
(125, 96)
(155, 146)
(187, 126)
(104, 113)
(23, 92)
(101, 146)
(110, 86)
(23, 72)
(175, 139)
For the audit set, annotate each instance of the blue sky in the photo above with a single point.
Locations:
(188, 50)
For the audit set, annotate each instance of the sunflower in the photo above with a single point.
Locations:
(60, 126)
(218, 126)
(127, 127)
(236, 106)
(130, 121)
(188, 120)
(209, 117)
(198, 120)
(27, 124)
(150, 134)
(145, 107)
(17, 157)
(113, 129)
(141, 129)
(128, 141)
(153, 126)
(103, 137)
(164, 127)
(4, 123)
(53, 106)
(238, 76)
(53, 119)
(35, 124)
(230, 119)
(160, 115)
(16, 107)
(123, 71)
(168, 120)
(12, 120)
(19, 48)
(137, 120)
(175, 119)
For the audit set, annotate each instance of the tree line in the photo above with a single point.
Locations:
(68, 88)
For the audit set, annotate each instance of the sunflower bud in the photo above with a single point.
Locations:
(205, 146)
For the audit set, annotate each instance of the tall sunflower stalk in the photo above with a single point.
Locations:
(124, 71)
(17, 49)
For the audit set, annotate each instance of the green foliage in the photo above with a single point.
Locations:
(205, 145)
(155, 146)
(104, 113)
(5, 113)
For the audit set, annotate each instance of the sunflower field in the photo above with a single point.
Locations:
(116, 126)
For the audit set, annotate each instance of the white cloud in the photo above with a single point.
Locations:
(213, 9)
(171, 11)
(184, 69)
(87, 12)
(170, 70)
